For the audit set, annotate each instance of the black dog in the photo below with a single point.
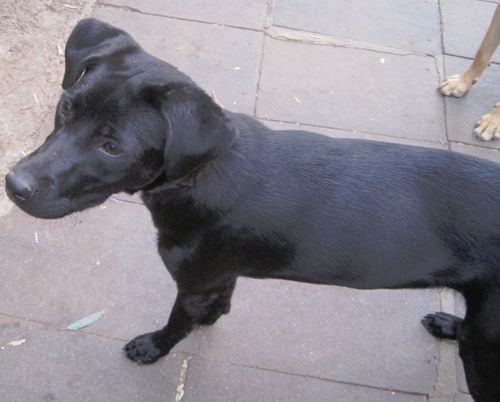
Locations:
(231, 197)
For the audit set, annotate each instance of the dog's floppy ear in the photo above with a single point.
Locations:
(198, 129)
(90, 41)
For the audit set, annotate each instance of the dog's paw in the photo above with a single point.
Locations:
(488, 126)
(143, 349)
(442, 325)
(456, 85)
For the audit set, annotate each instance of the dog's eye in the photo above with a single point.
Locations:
(66, 107)
(111, 148)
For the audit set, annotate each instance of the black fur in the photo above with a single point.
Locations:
(230, 197)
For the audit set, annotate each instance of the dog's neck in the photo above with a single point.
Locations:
(225, 180)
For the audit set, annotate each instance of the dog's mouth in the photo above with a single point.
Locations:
(43, 201)
(55, 208)
(52, 210)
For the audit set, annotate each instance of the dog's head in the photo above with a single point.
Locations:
(124, 120)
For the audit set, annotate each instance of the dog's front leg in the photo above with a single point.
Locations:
(458, 85)
(190, 309)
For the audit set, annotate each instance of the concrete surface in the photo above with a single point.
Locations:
(345, 69)
(32, 38)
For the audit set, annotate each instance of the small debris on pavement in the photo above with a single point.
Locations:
(182, 378)
(36, 238)
(16, 342)
(85, 321)
(36, 99)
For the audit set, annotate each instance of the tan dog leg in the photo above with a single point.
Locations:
(458, 85)
(488, 126)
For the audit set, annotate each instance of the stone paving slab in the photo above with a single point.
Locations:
(223, 60)
(364, 337)
(212, 381)
(55, 365)
(351, 89)
(107, 260)
(390, 23)
(463, 113)
(464, 24)
(250, 14)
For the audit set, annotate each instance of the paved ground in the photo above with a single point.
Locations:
(357, 69)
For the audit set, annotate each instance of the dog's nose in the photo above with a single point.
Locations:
(20, 186)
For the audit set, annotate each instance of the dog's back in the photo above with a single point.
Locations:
(369, 214)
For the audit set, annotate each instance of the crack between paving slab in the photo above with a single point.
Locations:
(15, 317)
(268, 19)
(259, 77)
(441, 25)
(458, 56)
(445, 385)
(312, 38)
(124, 8)
(446, 377)
(313, 126)
(441, 67)
(136, 10)
(59, 328)
(392, 390)
(474, 145)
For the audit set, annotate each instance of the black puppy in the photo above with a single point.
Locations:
(231, 197)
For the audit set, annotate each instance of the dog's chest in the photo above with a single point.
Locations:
(178, 217)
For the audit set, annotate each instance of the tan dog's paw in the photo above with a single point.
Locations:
(488, 126)
(456, 85)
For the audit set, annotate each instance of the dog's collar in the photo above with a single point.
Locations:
(187, 181)
(182, 183)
